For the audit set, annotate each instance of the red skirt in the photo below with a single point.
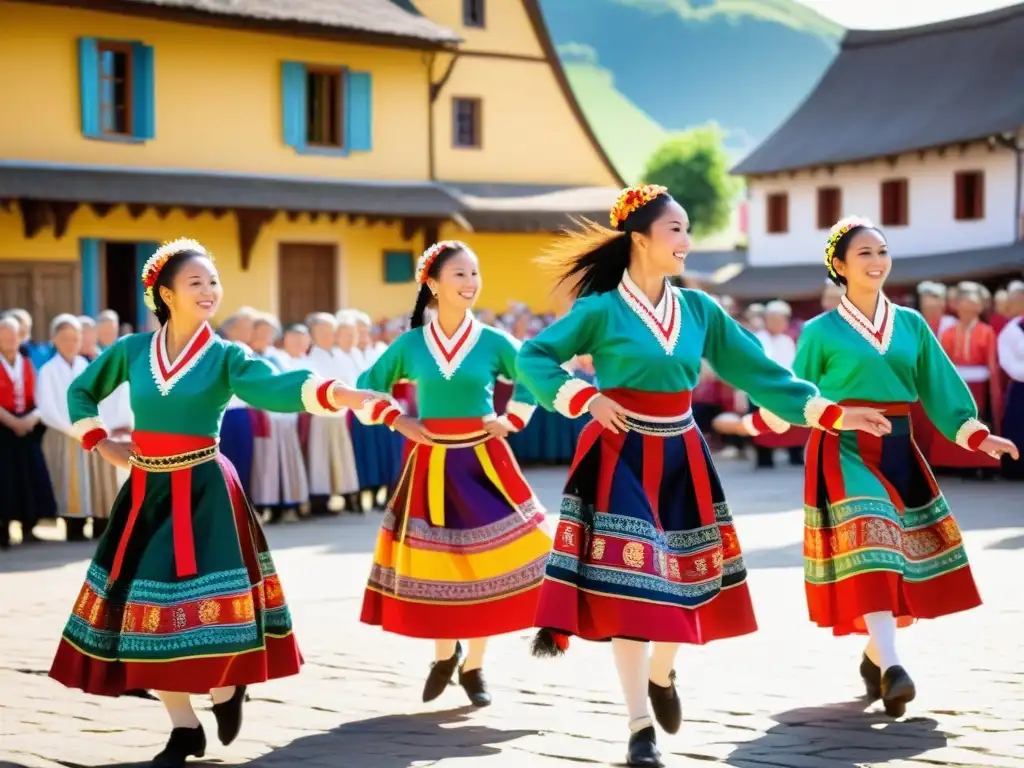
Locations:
(645, 546)
(878, 534)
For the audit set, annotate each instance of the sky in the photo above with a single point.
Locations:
(886, 14)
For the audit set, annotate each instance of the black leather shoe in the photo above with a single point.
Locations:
(229, 716)
(668, 710)
(897, 691)
(475, 686)
(872, 677)
(183, 744)
(643, 749)
(441, 673)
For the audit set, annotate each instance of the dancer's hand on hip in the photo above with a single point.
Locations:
(116, 452)
(495, 428)
(868, 420)
(996, 447)
(412, 429)
(609, 414)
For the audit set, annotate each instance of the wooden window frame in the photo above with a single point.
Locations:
(894, 202)
(106, 46)
(776, 222)
(478, 120)
(333, 72)
(830, 206)
(975, 209)
(468, 6)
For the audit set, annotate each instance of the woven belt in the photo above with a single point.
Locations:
(671, 427)
(459, 441)
(173, 463)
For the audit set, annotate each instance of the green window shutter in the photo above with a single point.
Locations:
(399, 267)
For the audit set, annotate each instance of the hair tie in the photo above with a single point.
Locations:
(156, 262)
(431, 254)
(837, 233)
(632, 199)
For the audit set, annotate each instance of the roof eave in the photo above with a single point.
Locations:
(263, 26)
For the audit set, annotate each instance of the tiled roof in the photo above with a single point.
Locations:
(895, 91)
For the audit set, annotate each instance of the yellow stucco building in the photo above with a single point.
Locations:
(314, 148)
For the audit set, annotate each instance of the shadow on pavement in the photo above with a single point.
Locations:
(840, 734)
(1011, 542)
(396, 741)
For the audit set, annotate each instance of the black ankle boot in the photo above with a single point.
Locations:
(897, 691)
(643, 749)
(184, 743)
(872, 677)
(668, 710)
(475, 686)
(441, 673)
(229, 716)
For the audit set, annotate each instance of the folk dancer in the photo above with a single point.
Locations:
(182, 596)
(461, 550)
(279, 481)
(971, 344)
(881, 547)
(333, 479)
(26, 495)
(1011, 359)
(645, 550)
(66, 462)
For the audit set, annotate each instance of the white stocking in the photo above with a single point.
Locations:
(444, 649)
(632, 665)
(475, 654)
(882, 628)
(179, 707)
(663, 659)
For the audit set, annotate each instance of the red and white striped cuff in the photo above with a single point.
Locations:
(821, 413)
(89, 432)
(574, 397)
(517, 415)
(380, 410)
(972, 434)
(318, 396)
(761, 421)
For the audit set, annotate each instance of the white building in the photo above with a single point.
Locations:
(922, 131)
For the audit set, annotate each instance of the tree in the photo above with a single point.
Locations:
(695, 167)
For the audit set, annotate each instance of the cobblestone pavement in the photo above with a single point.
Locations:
(786, 696)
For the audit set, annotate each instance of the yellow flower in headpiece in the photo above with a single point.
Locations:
(839, 229)
(155, 263)
(632, 199)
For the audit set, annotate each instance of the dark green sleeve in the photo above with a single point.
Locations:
(257, 383)
(103, 375)
(387, 371)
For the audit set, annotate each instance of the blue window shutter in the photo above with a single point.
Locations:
(143, 251)
(89, 249)
(89, 85)
(143, 101)
(358, 111)
(293, 103)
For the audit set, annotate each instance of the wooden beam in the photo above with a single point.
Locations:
(35, 214)
(102, 210)
(62, 212)
(438, 86)
(135, 210)
(250, 222)
(163, 211)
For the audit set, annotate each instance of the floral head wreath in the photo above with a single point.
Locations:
(632, 199)
(837, 233)
(156, 262)
(429, 255)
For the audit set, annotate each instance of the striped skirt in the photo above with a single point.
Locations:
(645, 546)
(462, 547)
(878, 534)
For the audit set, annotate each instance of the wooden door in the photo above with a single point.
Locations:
(44, 288)
(307, 280)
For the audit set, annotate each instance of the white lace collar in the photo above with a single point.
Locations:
(449, 353)
(167, 373)
(878, 331)
(662, 320)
